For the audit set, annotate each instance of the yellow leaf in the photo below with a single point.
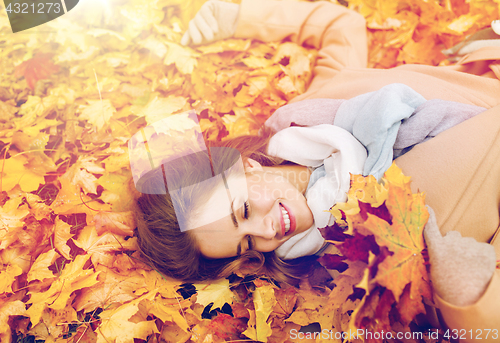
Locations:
(179, 122)
(72, 278)
(7, 111)
(71, 199)
(35, 312)
(15, 173)
(12, 217)
(154, 45)
(226, 45)
(112, 288)
(363, 284)
(287, 87)
(396, 176)
(116, 327)
(264, 301)
(34, 108)
(299, 63)
(121, 223)
(62, 233)
(39, 270)
(160, 108)
(7, 309)
(184, 58)
(70, 56)
(37, 207)
(217, 292)
(463, 23)
(115, 162)
(256, 62)
(8, 276)
(98, 112)
(141, 15)
(101, 85)
(187, 9)
(101, 32)
(100, 246)
(168, 313)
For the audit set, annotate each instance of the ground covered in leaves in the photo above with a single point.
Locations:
(72, 93)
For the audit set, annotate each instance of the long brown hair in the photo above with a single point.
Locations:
(175, 253)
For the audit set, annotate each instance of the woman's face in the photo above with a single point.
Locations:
(274, 211)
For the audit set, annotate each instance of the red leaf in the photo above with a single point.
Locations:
(330, 261)
(226, 327)
(37, 68)
(333, 233)
(357, 247)
(240, 311)
(382, 212)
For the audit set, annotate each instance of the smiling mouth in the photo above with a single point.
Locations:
(287, 220)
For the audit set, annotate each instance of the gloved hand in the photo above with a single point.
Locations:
(461, 267)
(215, 20)
(483, 38)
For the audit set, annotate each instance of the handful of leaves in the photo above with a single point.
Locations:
(381, 226)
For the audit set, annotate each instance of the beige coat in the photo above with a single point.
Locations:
(459, 170)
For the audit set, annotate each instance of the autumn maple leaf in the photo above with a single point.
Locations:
(386, 221)
(37, 68)
(403, 238)
(226, 327)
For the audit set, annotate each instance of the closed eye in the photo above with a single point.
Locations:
(249, 239)
(247, 210)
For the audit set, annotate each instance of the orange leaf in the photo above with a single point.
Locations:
(37, 68)
(62, 233)
(121, 223)
(403, 238)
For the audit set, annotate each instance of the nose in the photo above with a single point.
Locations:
(264, 228)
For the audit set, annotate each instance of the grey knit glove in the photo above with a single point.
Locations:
(461, 267)
(214, 21)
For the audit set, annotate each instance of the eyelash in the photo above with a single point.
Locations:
(247, 206)
(249, 239)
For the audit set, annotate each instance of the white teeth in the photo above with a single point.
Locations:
(286, 219)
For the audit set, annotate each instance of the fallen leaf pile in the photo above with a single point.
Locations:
(72, 93)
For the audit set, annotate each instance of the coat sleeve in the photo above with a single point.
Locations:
(478, 322)
(337, 32)
(458, 169)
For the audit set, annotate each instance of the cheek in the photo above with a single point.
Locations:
(262, 245)
(261, 192)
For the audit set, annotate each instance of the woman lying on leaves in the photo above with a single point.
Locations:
(393, 113)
